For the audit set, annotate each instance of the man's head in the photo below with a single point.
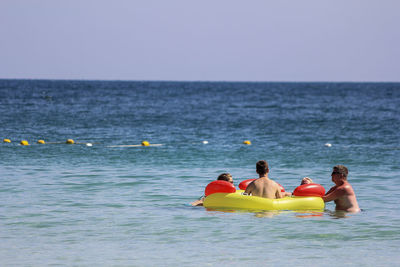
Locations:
(225, 177)
(306, 180)
(262, 167)
(341, 171)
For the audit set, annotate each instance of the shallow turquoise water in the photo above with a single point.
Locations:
(78, 205)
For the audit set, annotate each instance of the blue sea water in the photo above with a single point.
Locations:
(78, 205)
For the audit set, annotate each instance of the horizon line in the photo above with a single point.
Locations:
(194, 81)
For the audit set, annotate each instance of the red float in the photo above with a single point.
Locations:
(219, 186)
(243, 184)
(309, 190)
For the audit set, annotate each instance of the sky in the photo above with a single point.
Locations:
(184, 40)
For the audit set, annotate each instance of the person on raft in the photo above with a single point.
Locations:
(342, 193)
(263, 186)
(306, 180)
(224, 177)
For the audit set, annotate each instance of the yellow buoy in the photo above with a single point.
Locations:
(7, 141)
(24, 143)
(70, 141)
(41, 142)
(247, 142)
(145, 143)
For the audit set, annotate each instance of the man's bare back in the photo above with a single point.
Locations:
(264, 187)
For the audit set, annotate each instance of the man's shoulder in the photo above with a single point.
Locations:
(273, 182)
(344, 190)
(258, 180)
(348, 188)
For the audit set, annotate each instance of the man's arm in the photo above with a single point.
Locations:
(333, 194)
(278, 193)
(197, 202)
(249, 188)
(330, 190)
(286, 194)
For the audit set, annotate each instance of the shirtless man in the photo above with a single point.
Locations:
(342, 193)
(263, 186)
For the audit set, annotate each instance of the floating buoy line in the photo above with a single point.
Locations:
(144, 143)
(72, 142)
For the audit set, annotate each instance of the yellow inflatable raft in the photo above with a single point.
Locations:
(239, 201)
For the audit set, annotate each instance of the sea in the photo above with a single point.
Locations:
(108, 201)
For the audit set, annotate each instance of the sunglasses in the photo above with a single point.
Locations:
(334, 172)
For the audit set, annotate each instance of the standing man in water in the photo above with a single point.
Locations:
(263, 186)
(342, 193)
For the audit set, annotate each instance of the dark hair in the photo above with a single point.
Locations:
(341, 170)
(225, 177)
(262, 167)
